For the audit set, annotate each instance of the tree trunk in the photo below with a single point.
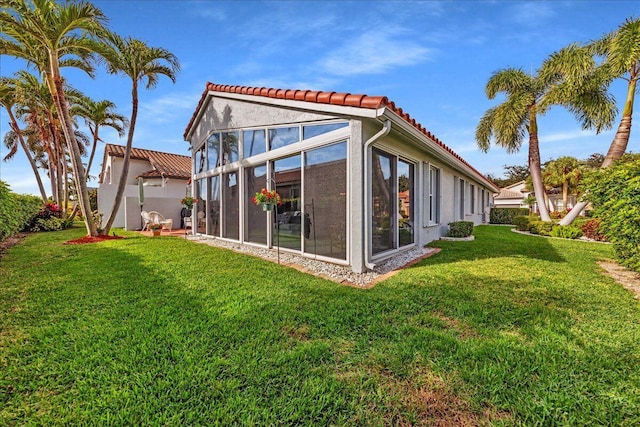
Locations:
(25, 148)
(74, 150)
(125, 161)
(565, 194)
(534, 166)
(93, 151)
(616, 149)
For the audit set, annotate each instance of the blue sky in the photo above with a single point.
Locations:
(432, 59)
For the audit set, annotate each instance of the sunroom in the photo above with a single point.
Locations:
(359, 181)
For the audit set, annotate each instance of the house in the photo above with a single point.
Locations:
(360, 180)
(164, 176)
(514, 195)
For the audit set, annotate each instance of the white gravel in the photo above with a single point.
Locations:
(337, 273)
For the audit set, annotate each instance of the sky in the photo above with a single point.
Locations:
(432, 58)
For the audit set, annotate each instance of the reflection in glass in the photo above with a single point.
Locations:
(288, 223)
(254, 142)
(201, 191)
(280, 137)
(255, 218)
(230, 206)
(325, 193)
(230, 147)
(382, 202)
(200, 160)
(315, 130)
(405, 203)
(213, 145)
(213, 216)
(434, 195)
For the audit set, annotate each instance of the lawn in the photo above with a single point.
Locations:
(505, 330)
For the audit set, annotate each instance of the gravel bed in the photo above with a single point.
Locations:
(337, 273)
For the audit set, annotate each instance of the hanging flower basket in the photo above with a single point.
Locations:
(268, 199)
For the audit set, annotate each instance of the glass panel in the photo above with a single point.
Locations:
(200, 160)
(230, 206)
(214, 206)
(287, 226)
(434, 196)
(230, 147)
(461, 192)
(472, 208)
(213, 144)
(283, 136)
(315, 130)
(325, 195)
(254, 142)
(255, 218)
(201, 191)
(382, 202)
(405, 203)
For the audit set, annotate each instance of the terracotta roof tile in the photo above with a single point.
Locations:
(360, 101)
(168, 164)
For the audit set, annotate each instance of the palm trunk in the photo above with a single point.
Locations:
(616, 149)
(534, 166)
(93, 152)
(25, 148)
(125, 161)
(565, 194)
(74, 150)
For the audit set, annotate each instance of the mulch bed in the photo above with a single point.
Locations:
(90, 239)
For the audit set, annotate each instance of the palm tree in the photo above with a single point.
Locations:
(97, 115)
(621, 52)
(8, 101)
(565, 172)
(134, 59)
(508, 122)
(48, 35)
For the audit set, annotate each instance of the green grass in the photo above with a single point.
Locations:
(505, 330)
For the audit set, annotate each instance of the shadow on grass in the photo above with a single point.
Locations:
(495, 242)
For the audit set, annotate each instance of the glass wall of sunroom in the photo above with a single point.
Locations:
(305, 163)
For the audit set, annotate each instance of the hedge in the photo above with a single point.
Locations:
(17, 211)
(506, 215)
(460, 229)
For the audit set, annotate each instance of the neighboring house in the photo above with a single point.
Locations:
(336, 160)
(165, 177)
(513, 196)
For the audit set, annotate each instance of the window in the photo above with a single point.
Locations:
(213, 147)
(255, 218)
(288, 222)
(230, 147)
(461, 199)
(230, 206)
(200, 160)
(405, 203)
(255, 142)
(325, 201)
(213, 214)
(281, 137)
(201, 191)
(315, 130)
(382, 202)
(434, 195)
(472, 199)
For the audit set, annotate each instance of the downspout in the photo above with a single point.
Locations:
(386, 128)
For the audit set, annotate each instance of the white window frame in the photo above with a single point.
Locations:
(433, 210)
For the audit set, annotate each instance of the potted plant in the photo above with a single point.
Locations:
(268, 199)
(188, 202)
(155, 229)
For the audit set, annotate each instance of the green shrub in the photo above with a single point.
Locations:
(16, 211)
(615, 195)
(460, 229)
(50, 224)
(566, 231)
(591, 230)
(540, 227)
(521, 222)
(506, 215)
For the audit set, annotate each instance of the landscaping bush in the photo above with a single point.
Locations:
(566, 231)
(49, 218)
(521, 222)
(591, 230)
(540, 227)
(460, 229)
(16, 211)
(506, 215)
(615, 195)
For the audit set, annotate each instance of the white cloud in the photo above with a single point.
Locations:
(532, 13)
(374, 52)
(565, 136)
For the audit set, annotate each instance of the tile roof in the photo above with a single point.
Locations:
(168, 165)
(509, 194)
(334, 98)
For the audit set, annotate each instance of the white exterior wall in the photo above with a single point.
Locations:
(165, 200)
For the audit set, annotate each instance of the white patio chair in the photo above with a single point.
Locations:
(146, 220)
(158, 218)
(188, 220)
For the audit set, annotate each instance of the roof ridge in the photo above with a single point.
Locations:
(145, 149)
